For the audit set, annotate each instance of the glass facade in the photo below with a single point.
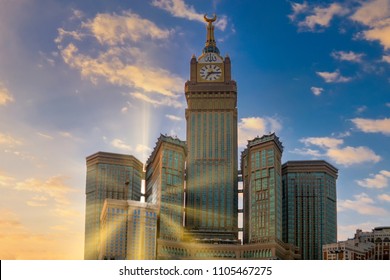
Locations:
(212, 172)
(172, 184)
(261, 166)
(309, 206)
(111, 176)
(165, 171)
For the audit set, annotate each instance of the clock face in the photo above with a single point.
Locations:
(210, 72)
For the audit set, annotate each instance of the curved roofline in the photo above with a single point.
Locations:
(382, 228)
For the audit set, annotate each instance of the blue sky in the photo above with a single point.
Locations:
(77, 77)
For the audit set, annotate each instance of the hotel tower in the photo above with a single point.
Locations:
(211, 190)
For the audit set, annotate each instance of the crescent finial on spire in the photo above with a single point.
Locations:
(214, 18)
(211, 45)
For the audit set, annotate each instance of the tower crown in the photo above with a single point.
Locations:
(210, 46)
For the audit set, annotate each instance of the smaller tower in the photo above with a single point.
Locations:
(165, 185)
(261, 172)
(309, 206)
(112, 176)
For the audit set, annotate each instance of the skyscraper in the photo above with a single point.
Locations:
(261, 172)
(211, 191)
(309, 206)
(165, 185)
(108, 176)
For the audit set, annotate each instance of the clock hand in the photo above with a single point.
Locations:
(212, 72)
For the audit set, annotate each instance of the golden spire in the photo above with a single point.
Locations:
(210, 45)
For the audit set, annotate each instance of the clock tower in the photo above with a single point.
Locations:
(211, 115)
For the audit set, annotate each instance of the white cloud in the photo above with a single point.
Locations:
(173, 117)
(375, 15)
(333, 77)
(127, 108)
(121, 145)
(316, 90)
(372, 12)
(382, 34)
(378, 181)
(124, 42)
(347, 56)
(298, 9)
(5, 96)
(77, 14)
(249, 128)
(115, 29)
(384, 197)
(221, 22)
(309, 18)
(386, 58)
(179, 9)
(62, 33)
(9, 140)
(307, 152)
(6, 180)
(362, 204)
(140, 150)
(324, 142)
(361, 109)
(341, 155)
(46, 136)
(53, 187)
(373, 126)
(143, 149)
(66, 134)
(352, 155)
(157, 102)
(113, 68)
(343, 134)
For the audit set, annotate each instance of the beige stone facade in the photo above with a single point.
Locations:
(128, 230)
(373, 245)
(272, 249)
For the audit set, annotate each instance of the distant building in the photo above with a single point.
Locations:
(262, 180)
(350, 249)
(380, 236)
(309, 206)
(128, 230)
(112, 176)
(374, 245)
